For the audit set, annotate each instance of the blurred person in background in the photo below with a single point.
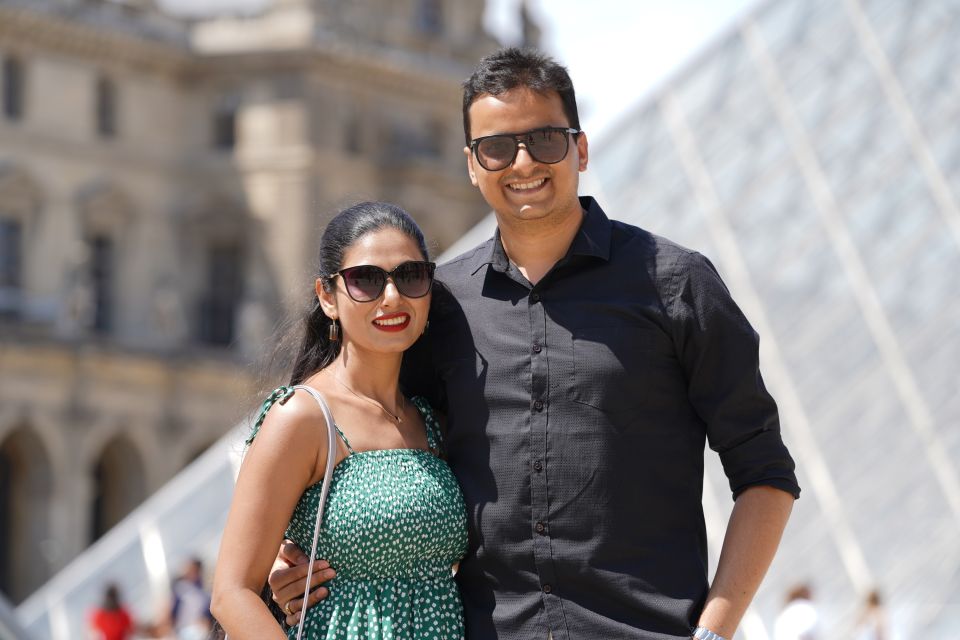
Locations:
(799, 619)
(111, 620)
(872, 622)
(189, 616)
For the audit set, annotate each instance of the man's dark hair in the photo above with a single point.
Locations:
(514, 67)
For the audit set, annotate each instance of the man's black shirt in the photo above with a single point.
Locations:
(578, 410)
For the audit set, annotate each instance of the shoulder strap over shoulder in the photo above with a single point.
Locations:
(325, 489)
(327, 415)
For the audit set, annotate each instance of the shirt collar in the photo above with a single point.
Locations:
(592, 239)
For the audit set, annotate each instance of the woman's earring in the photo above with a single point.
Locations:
(333, 333)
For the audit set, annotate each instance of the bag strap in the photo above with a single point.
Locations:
(327, 477)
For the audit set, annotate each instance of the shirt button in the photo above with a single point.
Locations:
(547, 588)
(538, 466)
(537, 348)
(535, 297)
(540, 527)
(538, 405)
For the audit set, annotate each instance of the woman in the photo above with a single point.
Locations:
(111, 620)
(394, 522)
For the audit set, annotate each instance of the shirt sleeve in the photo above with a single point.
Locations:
(719, 352)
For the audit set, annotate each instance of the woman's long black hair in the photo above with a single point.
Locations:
(316, 351)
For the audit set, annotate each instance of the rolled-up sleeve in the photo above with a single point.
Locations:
(719, 352)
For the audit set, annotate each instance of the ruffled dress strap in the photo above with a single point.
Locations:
(431, 425)
(281, 395)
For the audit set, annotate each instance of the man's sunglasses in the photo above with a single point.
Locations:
(365, 282)
(548, 145)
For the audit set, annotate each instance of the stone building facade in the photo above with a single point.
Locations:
(162, 186)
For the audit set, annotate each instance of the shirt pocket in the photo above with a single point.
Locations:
(612, 366)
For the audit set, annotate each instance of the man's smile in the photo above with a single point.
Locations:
(528, 186)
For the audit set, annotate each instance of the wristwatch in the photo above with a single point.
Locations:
(702, 633)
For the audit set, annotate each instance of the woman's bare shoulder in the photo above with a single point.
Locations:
(297, 420)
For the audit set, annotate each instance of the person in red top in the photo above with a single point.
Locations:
(111, 620)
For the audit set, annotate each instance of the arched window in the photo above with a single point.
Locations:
(20, 204)
(223, 293)
(119, 486)
(106, 108)
(216, 253)
(429, 16)
(101, 275)
(11, 266)
(224, 123)
(25, 491)
(13, 88)
(106, 214)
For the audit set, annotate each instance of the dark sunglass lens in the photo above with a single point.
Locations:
(413, 279)
(548, 145)
(364, 283)
(496, 152)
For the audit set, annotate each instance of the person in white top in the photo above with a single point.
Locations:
(799, 619)
(872, 623)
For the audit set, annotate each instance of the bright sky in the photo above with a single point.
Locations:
(616, 50)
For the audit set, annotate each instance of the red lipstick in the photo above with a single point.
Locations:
(392, 322)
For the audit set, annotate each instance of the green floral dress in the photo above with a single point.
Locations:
(394, 525)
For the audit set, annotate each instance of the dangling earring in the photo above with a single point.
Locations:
(333, 333)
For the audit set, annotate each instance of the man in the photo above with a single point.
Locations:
(582, 364)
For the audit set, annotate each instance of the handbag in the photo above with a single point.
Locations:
(217, 631)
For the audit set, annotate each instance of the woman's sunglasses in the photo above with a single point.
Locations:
(365, 283)
(548, 145)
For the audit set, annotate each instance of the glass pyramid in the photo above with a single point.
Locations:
(813, 154)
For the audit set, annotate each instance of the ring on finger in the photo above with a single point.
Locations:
(286, 608)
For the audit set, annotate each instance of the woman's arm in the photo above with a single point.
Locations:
(288, 455)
